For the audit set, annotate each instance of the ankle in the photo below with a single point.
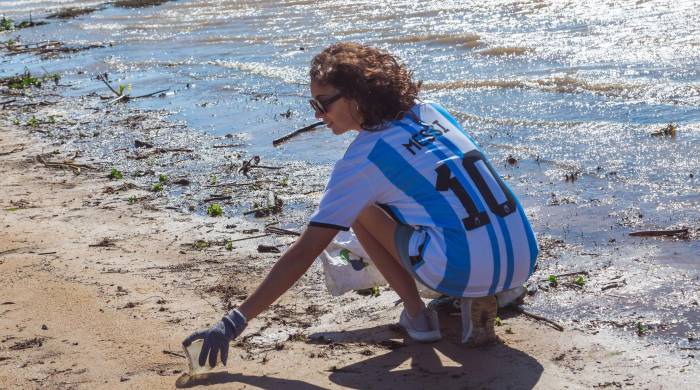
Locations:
(415, 311)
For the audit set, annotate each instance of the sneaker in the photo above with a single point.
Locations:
(514, 296)
(478, 320)
(423, 328)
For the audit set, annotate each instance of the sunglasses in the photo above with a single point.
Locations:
(321, 105)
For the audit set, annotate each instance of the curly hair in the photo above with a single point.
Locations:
(382, 87)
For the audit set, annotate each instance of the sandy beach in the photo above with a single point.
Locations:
(141, 198)
(101, 279)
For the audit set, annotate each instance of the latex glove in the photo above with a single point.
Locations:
(217, 338)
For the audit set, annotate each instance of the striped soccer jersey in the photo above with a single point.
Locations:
(471, 237)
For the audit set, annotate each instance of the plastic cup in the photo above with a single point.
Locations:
(192, 352)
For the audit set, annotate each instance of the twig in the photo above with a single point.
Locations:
(8, 102)
(260, 209)
(232, 184)
(227, 146)
(174, 353)
(519, 309)
(660, 233)
(217, 197)
(19, 149)
(118, 98)
(250, 238)
(103, 78)
(149, 94)
(264, 167)
(158, 151)
(65, 164)
(295, 133)
(613, 285)
(276, 230)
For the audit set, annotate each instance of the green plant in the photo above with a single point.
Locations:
(56, 151)
(16, 122)
(162, 178)
(157, 187)
(284, 182)
(6, 24)
(132, 199)
(52, 119)
(214, 210)
(213, 180)
(371, 292)
(25, 80)
(229, 245)
(200, 244)
(579, 281)
(552, 281)
(123, 88)
(641, 329)
(32, 122)
(498, 321)
(115, 174)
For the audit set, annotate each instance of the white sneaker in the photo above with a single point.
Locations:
(513, 296)
(424, 330)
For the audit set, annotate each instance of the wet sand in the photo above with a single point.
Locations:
(101, 279)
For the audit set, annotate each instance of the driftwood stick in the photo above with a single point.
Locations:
(227, 146)
(159, 151)
(233, 184)
(103, 78)
(264, 167)
(276, 230)
(217, 197)
(174, 353)
(295, 133)
(259, 209)
(149, 94)
(19, 149)
(118, 98)
(554, 324)
(660, 233)
(251, 237)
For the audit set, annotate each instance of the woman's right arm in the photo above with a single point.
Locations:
(288, 269)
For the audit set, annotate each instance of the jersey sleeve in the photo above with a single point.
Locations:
(348, 192)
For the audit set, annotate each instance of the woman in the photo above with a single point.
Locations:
(417, 191)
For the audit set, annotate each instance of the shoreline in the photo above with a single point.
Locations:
(118, 284)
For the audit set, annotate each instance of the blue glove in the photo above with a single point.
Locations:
(217, 338)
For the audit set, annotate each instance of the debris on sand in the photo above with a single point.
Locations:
(667, 131)
(71, 12)
(138, 3)
(30, 343)
(679, 233)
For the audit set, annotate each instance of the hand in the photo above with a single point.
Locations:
(217, 338)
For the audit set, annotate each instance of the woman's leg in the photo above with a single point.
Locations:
(375, 230)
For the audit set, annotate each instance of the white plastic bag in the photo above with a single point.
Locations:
(347, 267)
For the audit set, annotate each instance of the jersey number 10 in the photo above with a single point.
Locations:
(446, 181)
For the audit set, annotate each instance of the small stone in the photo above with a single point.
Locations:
(123, 379)
(44, 327)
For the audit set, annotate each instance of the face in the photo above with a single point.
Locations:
(341, 115)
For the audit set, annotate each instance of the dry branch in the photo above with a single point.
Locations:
(661, 233)
(158, 151)
(293, 134)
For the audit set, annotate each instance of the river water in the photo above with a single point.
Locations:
(563, 87)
